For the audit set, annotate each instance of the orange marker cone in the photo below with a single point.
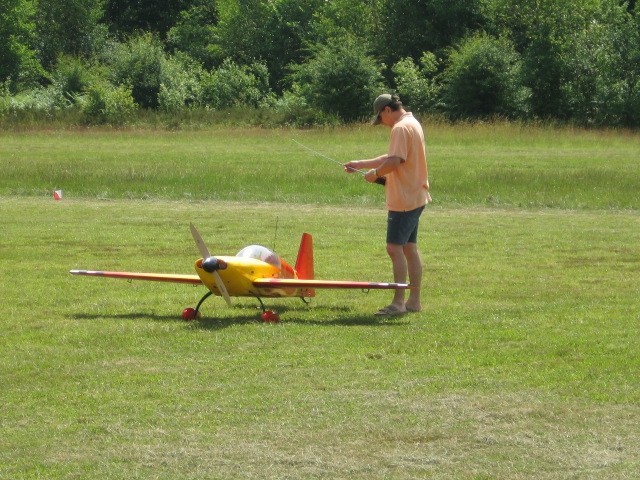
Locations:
(57, 194)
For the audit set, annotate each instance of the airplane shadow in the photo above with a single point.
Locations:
(340, 316)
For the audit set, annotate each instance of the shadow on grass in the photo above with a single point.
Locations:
(126, 316)
(336, 316)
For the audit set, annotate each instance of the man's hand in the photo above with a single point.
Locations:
(371, 176)
(351, 167)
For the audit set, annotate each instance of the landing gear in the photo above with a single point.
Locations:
(267, 316)
(206, 295)
(189, 314)
(193, 313)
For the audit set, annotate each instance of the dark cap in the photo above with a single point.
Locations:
(378, 105)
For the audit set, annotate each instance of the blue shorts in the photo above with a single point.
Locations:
(402, 227)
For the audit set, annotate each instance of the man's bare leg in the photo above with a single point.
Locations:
(414, 268)
(399, 263)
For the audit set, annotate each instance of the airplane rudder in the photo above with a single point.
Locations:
(304, 262)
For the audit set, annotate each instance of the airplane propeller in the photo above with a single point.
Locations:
(211, 264)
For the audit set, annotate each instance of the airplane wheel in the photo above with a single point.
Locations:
(269, 316)
(189, 314)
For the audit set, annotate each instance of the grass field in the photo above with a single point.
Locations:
(523, 364)
(486, 165)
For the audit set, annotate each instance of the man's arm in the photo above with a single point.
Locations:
(356, 165)
(388, 165)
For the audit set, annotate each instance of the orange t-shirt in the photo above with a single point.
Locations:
(407, 187)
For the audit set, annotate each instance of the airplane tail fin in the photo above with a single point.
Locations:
(304, 263)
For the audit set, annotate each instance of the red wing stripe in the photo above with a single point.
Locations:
(155, 277)
(296, 283)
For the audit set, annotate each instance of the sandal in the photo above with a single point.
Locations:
(390, 310)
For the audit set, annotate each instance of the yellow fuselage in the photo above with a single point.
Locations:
(239, 274)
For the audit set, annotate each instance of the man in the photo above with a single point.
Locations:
(404, 168)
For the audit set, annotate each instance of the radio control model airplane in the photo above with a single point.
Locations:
(255, 271)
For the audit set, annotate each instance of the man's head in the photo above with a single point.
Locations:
(380, 105)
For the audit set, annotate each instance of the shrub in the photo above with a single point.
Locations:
(138, 64)
(71, 77)
(5, 98)
(294, 111)
(484, 79)
(108, 104)
(340, 78)
(179, 84)
(44, 100)
(232, 85)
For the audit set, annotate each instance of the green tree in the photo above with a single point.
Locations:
(416, 84)
(267, 31)
(340, 78)
(125, 17)
(138, 64)
(18, 62)
(409, 27)
(195, 33)
(541, 31)
(602, 84)
(340, 18)
(484, 79)
(68, 27)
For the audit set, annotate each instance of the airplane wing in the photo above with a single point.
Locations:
(297, 283)
(156, 277)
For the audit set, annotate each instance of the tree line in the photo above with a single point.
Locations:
(322, 61)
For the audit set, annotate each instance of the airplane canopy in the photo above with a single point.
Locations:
(259, 252)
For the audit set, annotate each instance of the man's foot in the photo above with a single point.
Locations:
(391, 310)
(413, 308)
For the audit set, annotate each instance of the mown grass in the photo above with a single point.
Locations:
(523, 364)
